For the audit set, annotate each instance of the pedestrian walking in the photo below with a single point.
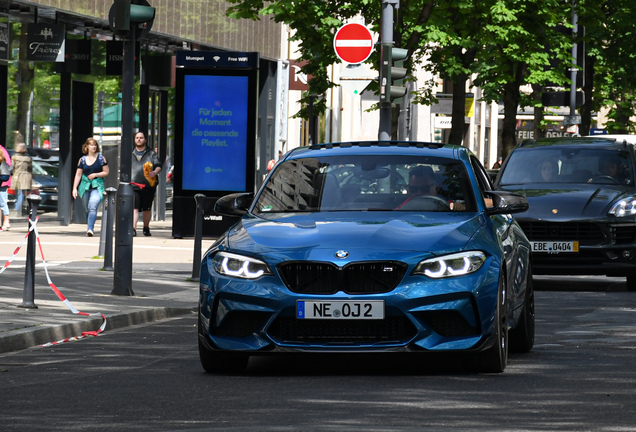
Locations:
(5, 177)
(144, 170)
(89, 178)
(22, 177)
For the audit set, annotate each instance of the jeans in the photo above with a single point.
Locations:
(20, 194)
(94, 198)
(4, 207)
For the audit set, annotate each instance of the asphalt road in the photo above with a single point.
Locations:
(580, 376)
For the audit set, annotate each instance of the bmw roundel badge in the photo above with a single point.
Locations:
(341, 254)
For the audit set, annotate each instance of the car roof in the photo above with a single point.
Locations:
(382, 147)
(590, 141)
(618, 137)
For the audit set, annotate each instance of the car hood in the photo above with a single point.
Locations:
(571, 201)
(365, 235)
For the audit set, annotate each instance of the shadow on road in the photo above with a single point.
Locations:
(579, 283)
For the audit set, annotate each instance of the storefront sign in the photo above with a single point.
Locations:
(46, 42)
(5, 41)
(115, 57)
(78, 57)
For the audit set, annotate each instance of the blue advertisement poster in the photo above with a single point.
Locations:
(215, 132)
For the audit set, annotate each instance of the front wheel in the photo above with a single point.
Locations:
(522, 337)
(495, 358)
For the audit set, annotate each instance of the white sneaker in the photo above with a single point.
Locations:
(89, 233)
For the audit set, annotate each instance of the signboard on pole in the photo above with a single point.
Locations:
(215, 134)
(353, 43)
(46, 42)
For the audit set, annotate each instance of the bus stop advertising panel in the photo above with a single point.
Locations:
(215, 134)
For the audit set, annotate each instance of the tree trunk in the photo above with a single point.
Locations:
(511, 98)
(588, 89)
(539, 131)
(458, 127)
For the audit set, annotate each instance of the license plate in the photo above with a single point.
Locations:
(555, 247)
(309, 309)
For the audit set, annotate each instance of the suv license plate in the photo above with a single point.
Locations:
(555, 247)
(309, 309)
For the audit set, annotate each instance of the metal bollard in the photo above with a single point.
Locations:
(102, 232)
(107, 227)
(198, 234)
(29, 270)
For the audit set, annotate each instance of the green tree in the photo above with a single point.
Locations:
(521, 42)
(507, 43)
(611, 60)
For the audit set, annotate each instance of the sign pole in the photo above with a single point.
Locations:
(386, 43)
(122, 281)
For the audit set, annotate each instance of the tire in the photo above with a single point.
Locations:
(495, 358)
(219, 361)
(631, 281)
(522, 337)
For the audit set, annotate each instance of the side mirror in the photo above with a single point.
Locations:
(234, 204)
(506, 203)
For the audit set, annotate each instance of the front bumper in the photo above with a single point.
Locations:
(606, 247)
(421, 314)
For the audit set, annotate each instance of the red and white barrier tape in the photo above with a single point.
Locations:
(63, 299)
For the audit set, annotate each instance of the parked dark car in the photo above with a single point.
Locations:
(45, 183)
(338, 253)
(582, 196)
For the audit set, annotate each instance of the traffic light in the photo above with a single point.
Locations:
(123, 14)
(390, 75)
(438, 135)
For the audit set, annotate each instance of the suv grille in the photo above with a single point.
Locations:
(312, 277)
(583, 232)
(586, 233)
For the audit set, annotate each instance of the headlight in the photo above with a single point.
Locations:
(624, 207)
(239, 266)
(458, 264)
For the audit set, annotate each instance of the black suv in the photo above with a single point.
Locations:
(582, 196)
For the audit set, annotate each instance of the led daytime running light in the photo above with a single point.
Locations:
(239, 266)
(458, 264)
(243, 271)
(624, 208)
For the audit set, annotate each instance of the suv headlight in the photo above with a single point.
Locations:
(458, 264)
(624, 207)
(239, 266)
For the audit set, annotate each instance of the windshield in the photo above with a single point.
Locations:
(568, 165)
(367, 183)
(44, 169)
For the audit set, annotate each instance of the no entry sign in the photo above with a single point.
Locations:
(353, 43)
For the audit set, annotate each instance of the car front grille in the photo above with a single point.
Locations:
(623, 234)
(395, 329)
(586, 233)
(583, 232)
(312, 277)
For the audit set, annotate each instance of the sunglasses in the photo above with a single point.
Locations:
(423, 188)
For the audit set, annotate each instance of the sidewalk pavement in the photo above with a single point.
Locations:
(161, 282)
